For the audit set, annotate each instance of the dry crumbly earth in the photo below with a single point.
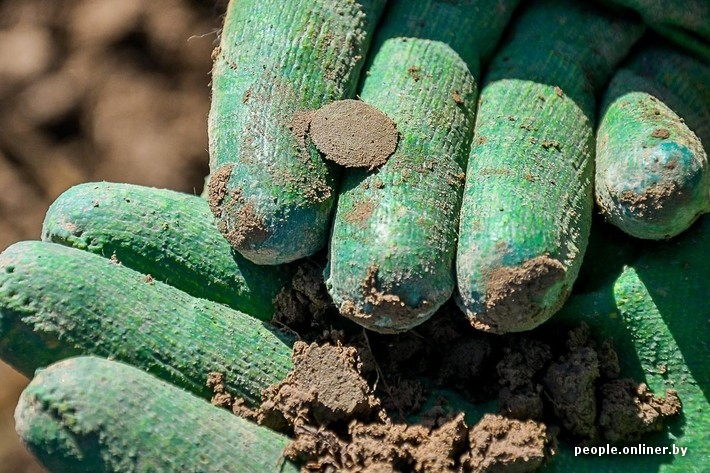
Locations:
(361, 401)
(114, 90)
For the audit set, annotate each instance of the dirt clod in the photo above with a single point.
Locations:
(520, 396)
(570, 383)
(353, 134)
(499, 444)
(220, 398)
(303, 303)
(382, 447)
(661, 133)
(629, 410)
(325, 386)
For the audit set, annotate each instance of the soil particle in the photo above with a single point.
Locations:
(415, 72)
(248, 227)
(353, 134)
(387, 306)
(652, 199)
(547, 144)
(325, 386)
(629, 410)
(373, 295)
(513, 295)
(661, 133)
(245, 97)
(498, 444)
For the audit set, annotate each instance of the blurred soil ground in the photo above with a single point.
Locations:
(91, 90)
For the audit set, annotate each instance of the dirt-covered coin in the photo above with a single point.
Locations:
(353, 133)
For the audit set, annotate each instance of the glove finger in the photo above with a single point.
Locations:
(94, 415)
(686, 23)
(57, 301)
(656, 313)
(652, 176)
(169, 235)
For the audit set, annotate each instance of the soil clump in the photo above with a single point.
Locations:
(363, 401)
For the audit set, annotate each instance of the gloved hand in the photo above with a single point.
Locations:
(166, 315)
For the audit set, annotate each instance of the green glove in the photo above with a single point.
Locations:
(150, 282)
(656, 312)
(685, 22)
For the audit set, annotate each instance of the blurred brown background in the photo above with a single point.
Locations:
(114, 90)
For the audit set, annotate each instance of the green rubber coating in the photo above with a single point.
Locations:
(57, 301)
(271, 192)
(472, 28)
(684, 83)
(169, 235)
(657, 314)
(391, 252)
(685, 22)
(88, 414)
(527, 203)
(394, 234)
(652, 175)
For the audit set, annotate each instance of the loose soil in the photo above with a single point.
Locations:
(353, 134)
(363, 401)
